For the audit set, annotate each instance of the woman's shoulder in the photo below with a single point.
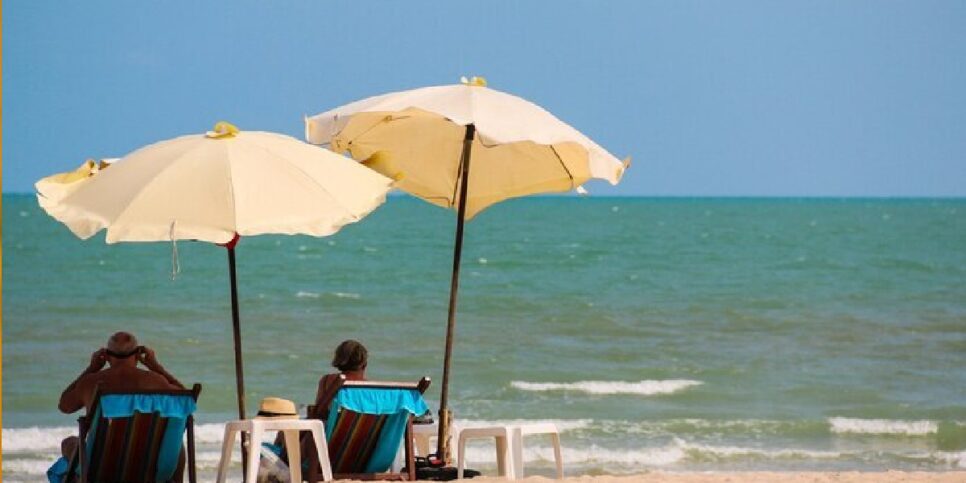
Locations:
(328, 380)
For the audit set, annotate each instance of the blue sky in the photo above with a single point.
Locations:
(816, 98)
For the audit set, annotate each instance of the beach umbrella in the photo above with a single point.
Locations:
(425, 139)
(215, 187)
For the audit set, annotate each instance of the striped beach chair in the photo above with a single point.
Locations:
(366, 423)
(136, 436)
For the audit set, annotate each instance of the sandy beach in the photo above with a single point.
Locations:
(762, 476)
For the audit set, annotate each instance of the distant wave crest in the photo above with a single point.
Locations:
(643, 388)
(36, 438)
(303, 294)
(883, 426)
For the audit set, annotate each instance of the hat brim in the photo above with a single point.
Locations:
(268, 415)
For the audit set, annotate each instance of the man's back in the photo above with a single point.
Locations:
(122, 356)
(117, 378)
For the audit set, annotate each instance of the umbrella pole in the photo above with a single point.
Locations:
(445, 416)
(236, 329)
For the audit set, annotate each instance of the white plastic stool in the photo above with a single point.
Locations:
(503, 436)
(522, 430)
(509, 446)
(290, 429)
(423, 433)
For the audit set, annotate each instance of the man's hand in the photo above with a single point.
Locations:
(98, 359)
(147, 357)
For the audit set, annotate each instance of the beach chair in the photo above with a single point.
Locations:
(367, 421)
(136, 436)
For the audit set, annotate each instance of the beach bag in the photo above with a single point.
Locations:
(426, 470)
(271, 468)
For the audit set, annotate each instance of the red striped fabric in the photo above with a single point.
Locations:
(126, 450)
(353, 440)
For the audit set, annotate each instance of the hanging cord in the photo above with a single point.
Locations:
(175, 263)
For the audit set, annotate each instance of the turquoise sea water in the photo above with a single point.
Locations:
(680, 334)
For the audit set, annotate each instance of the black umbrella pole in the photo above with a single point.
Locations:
(445, 417)
(239, 371)
(236, 329)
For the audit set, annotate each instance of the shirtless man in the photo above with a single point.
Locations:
(122, 355)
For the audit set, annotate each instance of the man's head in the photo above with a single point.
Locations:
(351, 355)
(121, 348)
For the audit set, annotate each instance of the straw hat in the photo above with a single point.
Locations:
(276, 408)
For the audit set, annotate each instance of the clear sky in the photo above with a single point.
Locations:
(815, 98)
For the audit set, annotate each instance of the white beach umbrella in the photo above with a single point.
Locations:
(216, 187)
(425, 139)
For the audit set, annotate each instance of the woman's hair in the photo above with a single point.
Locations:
(351, 355)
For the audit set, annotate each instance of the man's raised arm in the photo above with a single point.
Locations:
(72, 399)
(146, 356)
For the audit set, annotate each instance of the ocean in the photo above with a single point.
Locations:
(677, 334)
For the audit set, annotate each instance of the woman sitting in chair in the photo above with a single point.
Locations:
(351, 359)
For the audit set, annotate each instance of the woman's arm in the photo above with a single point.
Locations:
(329, 384)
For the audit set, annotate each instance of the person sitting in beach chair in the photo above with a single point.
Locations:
(366, 443)
(134, 436)
(351, 359)
(366, 422)
(121, 357)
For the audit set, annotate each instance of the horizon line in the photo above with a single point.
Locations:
(696, 196)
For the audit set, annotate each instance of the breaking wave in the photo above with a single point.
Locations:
(883, 426)
(642, 388)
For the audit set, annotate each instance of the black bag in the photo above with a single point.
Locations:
(427, 471)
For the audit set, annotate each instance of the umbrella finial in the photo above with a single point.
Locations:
(474, 81)
(223, 129)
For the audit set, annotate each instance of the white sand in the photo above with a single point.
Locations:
(740, 477)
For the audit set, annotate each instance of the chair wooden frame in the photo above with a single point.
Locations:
(327, 397)
(85, 422)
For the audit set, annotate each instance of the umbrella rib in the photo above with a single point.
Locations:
(564, 166)
(231, 191)
(363, 133)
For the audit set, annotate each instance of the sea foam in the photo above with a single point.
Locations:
(883, 426)
(561, 424)
(615, 459)
(35, 439)
(633, 459)
(700, 451)
(643, 388)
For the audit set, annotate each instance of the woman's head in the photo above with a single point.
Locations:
(351, 355)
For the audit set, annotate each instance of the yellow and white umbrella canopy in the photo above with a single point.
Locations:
(213, 186)
(417, 136)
